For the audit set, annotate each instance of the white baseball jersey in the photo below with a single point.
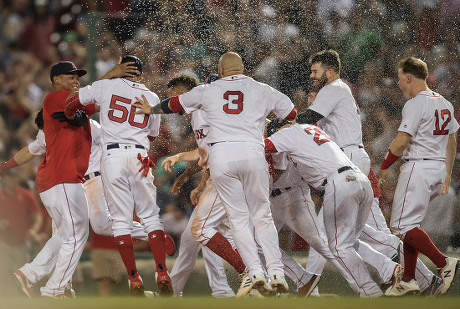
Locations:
(290, 177)
(119, 122)
(341, 114)
(200, 129)
(236, 107)
(328, 156)
(429, 118)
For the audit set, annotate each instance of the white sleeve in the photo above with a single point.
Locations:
(280, 161)
(95, 132)
(38, 146)
(193, 99)
(324, 104)
(283, 105)
(411, 118)
(284, 139)
(92, 93)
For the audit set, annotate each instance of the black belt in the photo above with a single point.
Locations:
(91, 175)
(407, 160)
(277, 192)
(359, 146)
(339, 170)
(212, 144)
(113, 146)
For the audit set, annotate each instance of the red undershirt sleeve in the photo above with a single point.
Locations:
(174, 105)
(292, 115)
(269, 146)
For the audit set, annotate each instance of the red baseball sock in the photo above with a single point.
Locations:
(420, 241)
(410, 262)
(157, 246)
(125, 247)
(220, 246)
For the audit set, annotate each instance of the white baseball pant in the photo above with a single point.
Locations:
(67, 205)
(239, 173)
(127, 190)
(185, 262)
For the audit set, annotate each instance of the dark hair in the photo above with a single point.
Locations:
(136, 62)
(414, 66)
(187, 80)
(274, 125)
(39, 119)
(328, 58)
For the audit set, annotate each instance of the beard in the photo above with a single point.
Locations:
(321, 82)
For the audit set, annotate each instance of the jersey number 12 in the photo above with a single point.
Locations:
(446, 117)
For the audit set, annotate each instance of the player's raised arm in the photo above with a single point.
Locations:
(167, 106)
(169, 162)
(126, 70)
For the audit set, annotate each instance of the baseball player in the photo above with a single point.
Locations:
(347, 195)
(189, 247)
(236, 107)
(60, 174)
(426, 142)
(336, 112)
(125, 139)
(99, 216)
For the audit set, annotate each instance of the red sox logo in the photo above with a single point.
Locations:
(199, 134)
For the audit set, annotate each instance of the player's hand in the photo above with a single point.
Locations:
(143, 105)
(381, 176)
(169, 162)
(127, 69)
(445, 187)
(178, 183)
(203, 158)
(195, 195)
(147, 164)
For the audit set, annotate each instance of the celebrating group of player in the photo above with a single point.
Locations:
(257, 176)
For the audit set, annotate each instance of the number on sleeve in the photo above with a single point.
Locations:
(445, 117)
(238, 102)
(116, 104)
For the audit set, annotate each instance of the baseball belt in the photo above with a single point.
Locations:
(277, 192)
(339, 170)
(91, 175)
(113, 146)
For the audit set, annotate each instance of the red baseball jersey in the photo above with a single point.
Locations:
(67, 147)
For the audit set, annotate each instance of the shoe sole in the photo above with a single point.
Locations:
(457, 266)
(279, 288)
(260, 286)
(138, 291)
(164, 288)
(21, 286)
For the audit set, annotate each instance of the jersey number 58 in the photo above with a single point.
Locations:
(117, 103)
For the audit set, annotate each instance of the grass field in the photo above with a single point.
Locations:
(208, 302)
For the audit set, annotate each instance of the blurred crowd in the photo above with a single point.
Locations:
(275, 39)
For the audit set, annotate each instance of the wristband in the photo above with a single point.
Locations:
(390, 158)
(8, 165)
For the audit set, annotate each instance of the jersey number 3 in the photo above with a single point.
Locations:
(445, 117)
(237, 102)
(118, 103)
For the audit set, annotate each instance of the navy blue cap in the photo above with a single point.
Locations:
(65, 67)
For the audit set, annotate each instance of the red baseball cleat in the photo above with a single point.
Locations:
(169, 245)
(136, 286)
(164, 283)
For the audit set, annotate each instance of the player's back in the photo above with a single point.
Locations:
(236, 107)
(315, 154)
(118, 120)
(429, 118)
